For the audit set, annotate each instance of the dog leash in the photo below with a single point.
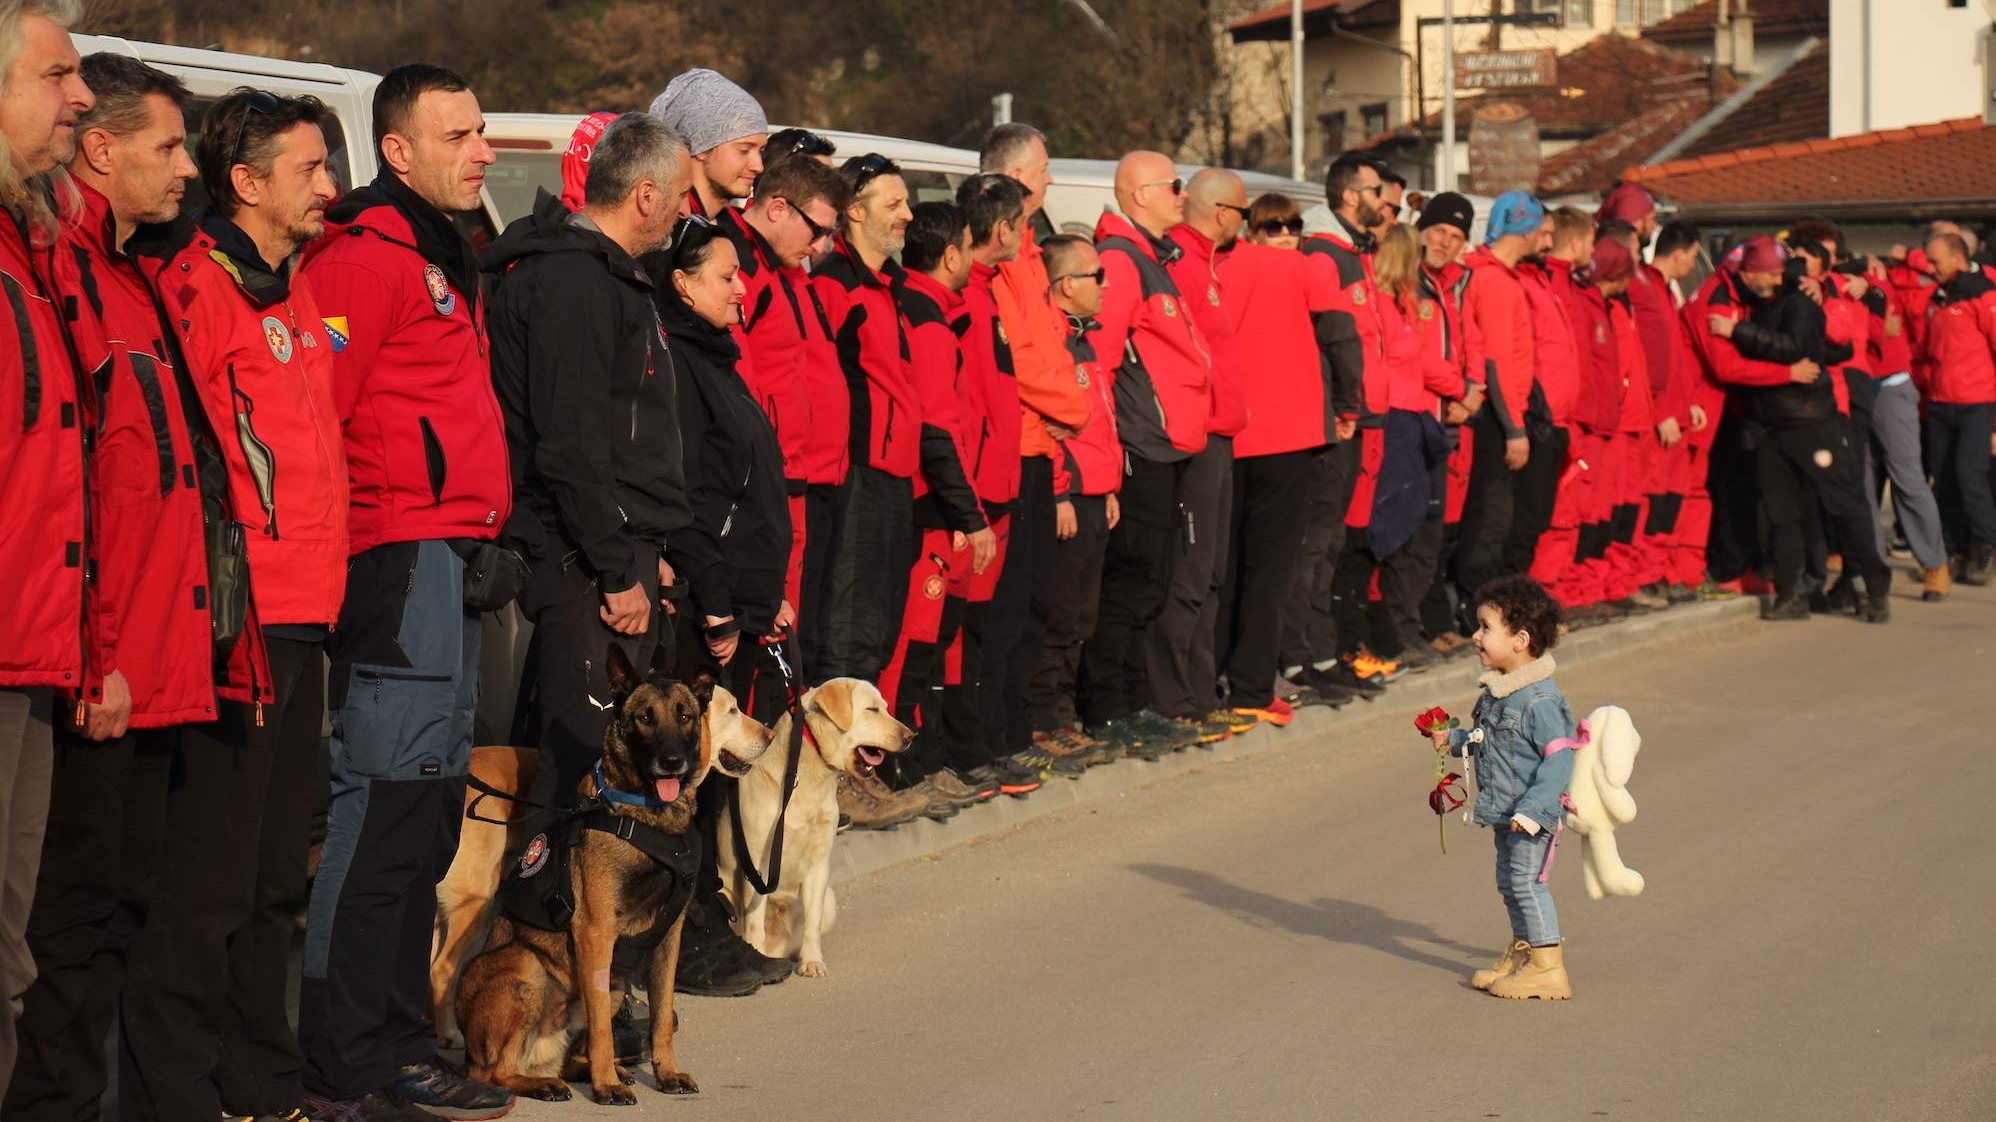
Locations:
(796, 749)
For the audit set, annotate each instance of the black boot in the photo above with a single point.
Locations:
(1877, 608)
(1980, 567)
(1791, 607)
(709, 963)
(1842, 596)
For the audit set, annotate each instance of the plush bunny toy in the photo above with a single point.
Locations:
(1599, 800)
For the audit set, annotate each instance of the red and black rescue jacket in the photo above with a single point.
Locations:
(886, 418)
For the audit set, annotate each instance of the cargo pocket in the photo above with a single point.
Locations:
(394, 723)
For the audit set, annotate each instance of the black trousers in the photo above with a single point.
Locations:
(204, 1012)
(1957, 454)
(1309, 634)
(1179, 657)
(107, 816)
(1405, 579)
(1271, 494)
(1015, 619)
(824, 523)
(869, 577)
(1812, 467)
(1077, 592)
(1489, 513)
(1136, 573)
(1537, 491)
(1733, 480)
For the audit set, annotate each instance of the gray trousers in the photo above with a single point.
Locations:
(1895, 449)
(1179, 655)
(27, 758)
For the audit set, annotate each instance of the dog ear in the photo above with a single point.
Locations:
(623, 676)
(834, 700)
(702, 686)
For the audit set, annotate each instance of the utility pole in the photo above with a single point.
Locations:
(1296, 88)
(1001, 109)
(1448, 96)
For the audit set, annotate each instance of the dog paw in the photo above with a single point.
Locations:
(624, 1076)
(812, 968)
(615, 1094)
(675, 1082)
(553, 1091)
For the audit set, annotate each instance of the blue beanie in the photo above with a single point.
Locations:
(1515, 212)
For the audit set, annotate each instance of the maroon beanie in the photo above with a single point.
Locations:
(1627, 202)
(575, 161)
(1762, 255)
(1613, 261)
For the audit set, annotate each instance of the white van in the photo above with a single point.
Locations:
(530, 145)
(1083, 189)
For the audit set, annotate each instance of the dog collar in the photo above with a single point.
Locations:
(615, 797)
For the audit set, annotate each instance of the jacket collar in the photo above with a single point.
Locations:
(734, 220)
(392, 211)
(982, 276)
(867, 274)
(1082, 325)
(1501, 686)
(238, 256)
(927, 286)
(1194, 243)
(95, 225)
(689, 330)
(1164, 250)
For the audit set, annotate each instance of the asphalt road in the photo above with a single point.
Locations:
(1277, 937)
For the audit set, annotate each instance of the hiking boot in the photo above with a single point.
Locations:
(1649, 600)
(1680, 594)
(1452, 644)
(377, 1107)
(1843, 596)
(1938, 585)
(1590, 615)
(1980, 566)
(1515, 955)
(1234, 723)
(713, 960)
(1125, 736)
(1877, 608)
(1153, 725)
(1365, 664)
(1417, 657)
(1204, 735)
(1090, 751)
(1299, 695)
(1542, 975)
(1340, 678)
(873, 807)
(941, 807)
(1785, 609)
(1011, 779)
(966, 794)
(1709, 590)
(1047, 762)
(437, 1088)
(1062, 752)
(1277, 712)
(1630, 606)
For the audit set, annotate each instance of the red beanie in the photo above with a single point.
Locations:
(1613, 261)
(575, 161)
(1627, 202)
(1762, 255)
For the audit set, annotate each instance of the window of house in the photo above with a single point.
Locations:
(1579, 13)
(1333, 126)
(1373, 118)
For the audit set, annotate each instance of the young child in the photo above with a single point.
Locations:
(1521, 776)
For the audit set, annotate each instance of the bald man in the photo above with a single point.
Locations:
(1163, 390)
(1181, 659)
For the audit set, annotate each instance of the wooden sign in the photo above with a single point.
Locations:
(1506, 70)
(1503, 149)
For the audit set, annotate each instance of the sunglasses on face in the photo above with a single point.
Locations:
(262, 103)
(818, 233)
(1177, 185)
(1274, 228)
(1240, 210)
(1098, 276)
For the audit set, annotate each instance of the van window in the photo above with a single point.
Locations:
(522, 168)
(197, 195)
(930, 186)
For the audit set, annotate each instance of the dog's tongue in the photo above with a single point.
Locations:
(668, 790)
(872, 756)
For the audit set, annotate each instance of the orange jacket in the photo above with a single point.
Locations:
(1048, 389)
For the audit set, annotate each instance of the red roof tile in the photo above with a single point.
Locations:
(1949, 160)
(1770, 17)
(1795, 106)
(1598, 161)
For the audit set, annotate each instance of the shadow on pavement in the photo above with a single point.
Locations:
(1337, 921)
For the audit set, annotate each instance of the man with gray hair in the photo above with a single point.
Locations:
(726, 131)
(587, 390)
(42, 625)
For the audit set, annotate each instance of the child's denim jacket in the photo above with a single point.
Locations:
(1519, 715)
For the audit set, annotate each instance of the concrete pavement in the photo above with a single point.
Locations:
(1274, 934)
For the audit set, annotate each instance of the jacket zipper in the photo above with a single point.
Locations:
(311, 403)
(887, 431)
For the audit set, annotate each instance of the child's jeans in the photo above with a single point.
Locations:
(1520, 859)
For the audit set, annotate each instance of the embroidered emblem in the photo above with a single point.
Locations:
(1000, 325)
(1427, 311)
(1081, 375)
(278, 337)
(1170, 308)
(1358, 296)
(439, 289)
(535, 858)
(933, 586)
(1213, 295)
(1823, 458)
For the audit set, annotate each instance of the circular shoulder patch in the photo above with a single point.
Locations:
(278, 337)
(933, 587)
(535, 857)
(441, 296)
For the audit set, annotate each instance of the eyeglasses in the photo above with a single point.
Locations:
(1275, 228)
(818, 233)
(1098, 276)
(1177, 185)
(862, 170)
(260, 102)
(1375, 188)
(1240, 210)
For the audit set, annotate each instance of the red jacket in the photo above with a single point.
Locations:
(827, 443)
(1091, 462)
(149, 606)
(398, 293)
(1164, 380)
(1038, 334)
(1847, 321)
(1461, 349)
(1633, 361)
(1266, 295)
(256, 349)
(1661, 328)
(1960, 351)
(1496, 308)
(1723, 361)
(1555, 342)
(1345, 306)
(1598, 408)
(987, 364)
(944, 496)
(1417, 355)
(1197, 274)
(886, 419)
(43, 615)
(1891, 341)
(775, 327)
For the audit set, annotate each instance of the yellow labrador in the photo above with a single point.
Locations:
(465, 896)
(848, 730)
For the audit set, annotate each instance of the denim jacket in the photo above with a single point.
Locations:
(1519, 714)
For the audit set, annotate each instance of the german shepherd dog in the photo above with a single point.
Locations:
(522, 1000)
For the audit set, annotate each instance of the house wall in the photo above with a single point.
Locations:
(1905, 62)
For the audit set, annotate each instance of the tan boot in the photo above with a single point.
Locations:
(1544, 976)
(1515, 955)
(1939, 584)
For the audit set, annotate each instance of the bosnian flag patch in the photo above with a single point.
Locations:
(336, 330)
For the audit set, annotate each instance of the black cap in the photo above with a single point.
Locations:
(1448, 209)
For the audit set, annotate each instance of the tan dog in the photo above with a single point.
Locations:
(465, 898)
(848, 731)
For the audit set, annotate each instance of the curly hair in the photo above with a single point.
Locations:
(1525, 606)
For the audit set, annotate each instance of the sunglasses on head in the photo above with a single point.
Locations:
(805, 143)
(261, 103)
(1276, 227)
(1098, 276)
(818, 233)
(865, 169)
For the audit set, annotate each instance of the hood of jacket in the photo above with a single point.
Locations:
(553, 228)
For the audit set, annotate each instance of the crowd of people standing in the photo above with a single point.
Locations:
(737, 405)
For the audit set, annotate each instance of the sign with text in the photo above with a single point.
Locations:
(1506, 70)
(1503, 149)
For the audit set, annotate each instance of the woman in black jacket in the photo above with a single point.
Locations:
(732, 556)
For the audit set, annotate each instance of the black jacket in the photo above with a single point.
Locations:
(1787, 328)
(587, 386)
(736, 550)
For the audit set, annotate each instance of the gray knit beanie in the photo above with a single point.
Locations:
(708, 110)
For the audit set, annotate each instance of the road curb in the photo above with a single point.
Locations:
(861, 852)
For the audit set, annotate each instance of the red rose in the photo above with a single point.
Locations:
(1431, 720)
